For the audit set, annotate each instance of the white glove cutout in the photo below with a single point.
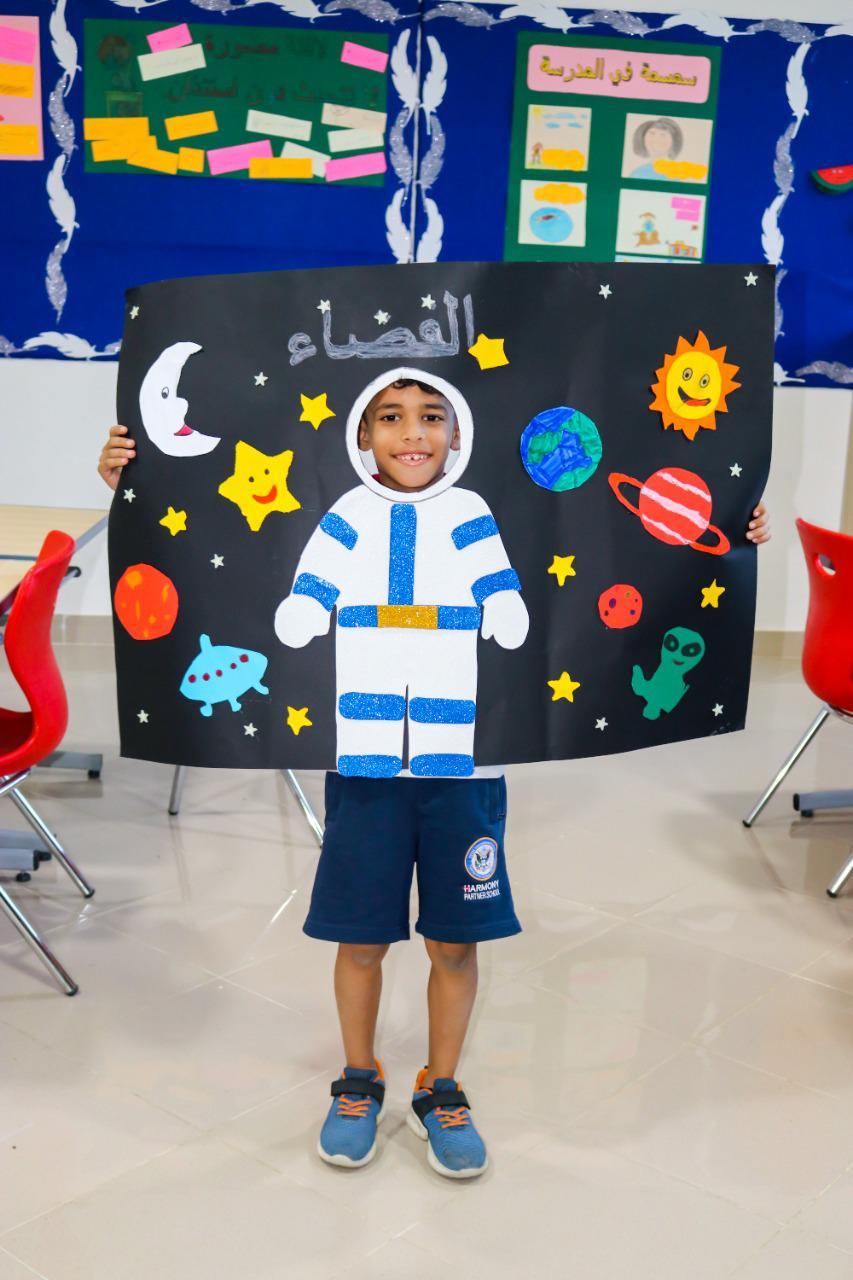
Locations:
(506, 618)
(298, 619)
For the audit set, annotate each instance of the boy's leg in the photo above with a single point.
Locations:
(358, 986)
(451, 992)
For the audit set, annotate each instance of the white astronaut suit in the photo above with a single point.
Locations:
(414, 577)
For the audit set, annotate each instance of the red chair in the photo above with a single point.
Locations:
(827, 663)
(26, 737)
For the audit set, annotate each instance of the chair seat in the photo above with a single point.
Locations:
(16, 728)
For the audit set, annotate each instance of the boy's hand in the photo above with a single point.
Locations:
(506, 618)
(115, 455)
(759, 526)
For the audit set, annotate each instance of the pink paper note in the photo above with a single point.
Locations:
(229, 159)
(358, 55)
(686, 202)
(170, 38)
(685, 215)
(355, 166)
(17, 45)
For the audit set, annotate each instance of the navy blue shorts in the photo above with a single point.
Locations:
(379, 830)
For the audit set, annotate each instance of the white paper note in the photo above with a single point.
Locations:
(353, 117)
(318, 158)
(270, 123)
(171, 62)
(355, 140)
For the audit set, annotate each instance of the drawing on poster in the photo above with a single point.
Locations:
(660, 224)
(557, 136)
(552, 213)
(666, 148)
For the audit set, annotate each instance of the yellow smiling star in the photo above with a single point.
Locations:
(562, 567)
(258, 484)
(711, 595)
(315, 409)
(297, 718)
(488, 352)
(175, 521)
(564, 687)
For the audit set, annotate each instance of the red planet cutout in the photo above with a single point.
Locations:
(620, 606)
(146, 602)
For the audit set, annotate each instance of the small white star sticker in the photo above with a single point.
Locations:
(217, 561)
(324, 305)
(134, 312)
(601, 724)
(381, 317)
(428, 301)
(249, 730)
(261, 379)
(605, 291)
(129, 495)
(142, 717)
(718, 709)
(751, 279)
(735, 468)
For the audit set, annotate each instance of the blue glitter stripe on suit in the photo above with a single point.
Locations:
(358, 615)
(372, 706)
(318, 588)
(448, 764)
(401, 557)
(474, 531)
(442, 710)
(369, 766)
(452, 617)
(506, 580)
(339, 529)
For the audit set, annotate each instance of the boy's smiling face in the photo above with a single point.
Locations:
(410, 428)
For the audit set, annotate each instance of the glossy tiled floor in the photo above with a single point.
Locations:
(662, 1063)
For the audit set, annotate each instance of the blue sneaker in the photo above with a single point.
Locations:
(348, 1136)
(441, 1115)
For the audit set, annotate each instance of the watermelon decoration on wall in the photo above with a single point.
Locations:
(838, 178)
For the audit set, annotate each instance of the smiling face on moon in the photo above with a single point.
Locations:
(164, 412)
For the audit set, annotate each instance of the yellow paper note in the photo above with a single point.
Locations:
(280, 167)
(120, 148)
(96, 128)
(190, 126)
(154, 158)
(16, 81)
(191, 159)
(19, 140)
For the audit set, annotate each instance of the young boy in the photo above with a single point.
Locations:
(377, 831)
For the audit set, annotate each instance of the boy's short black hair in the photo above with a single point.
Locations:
(401, 383)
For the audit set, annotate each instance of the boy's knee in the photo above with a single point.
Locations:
(365, 955)
(451, 955)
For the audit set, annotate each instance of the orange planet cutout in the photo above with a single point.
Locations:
(692, 386)
(146, 602)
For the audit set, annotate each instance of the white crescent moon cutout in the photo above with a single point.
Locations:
(164, 412)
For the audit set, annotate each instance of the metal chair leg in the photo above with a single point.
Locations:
(304, 803)
(841, 879)
(178, 781)
(51, 841)
(26, 930)
(817, 724)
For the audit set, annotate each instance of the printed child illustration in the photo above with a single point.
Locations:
(415, 571)
(660, 139)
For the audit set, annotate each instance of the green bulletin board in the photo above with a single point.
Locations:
(273, 70)
(611, 149)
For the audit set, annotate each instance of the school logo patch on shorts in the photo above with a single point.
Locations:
(482, 858)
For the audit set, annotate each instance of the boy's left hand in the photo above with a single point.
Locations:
(759, 526)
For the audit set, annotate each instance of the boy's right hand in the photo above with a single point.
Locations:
(115, 455)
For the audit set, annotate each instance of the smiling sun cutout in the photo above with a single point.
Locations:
(692, 386)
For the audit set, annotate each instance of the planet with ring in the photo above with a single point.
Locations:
(674, 506)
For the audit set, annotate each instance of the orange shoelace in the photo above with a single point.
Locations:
(353, 1106)
(452, 1117)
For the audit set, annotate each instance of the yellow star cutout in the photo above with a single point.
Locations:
(488, 352)
(258, 484)
(297, 718)
(315, 409)
(564, 687)
(175, 521)
(562, 567)
(711, 595)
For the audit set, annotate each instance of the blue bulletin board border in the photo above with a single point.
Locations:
(423, 214)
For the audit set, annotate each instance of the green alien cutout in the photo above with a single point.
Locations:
(680, 652)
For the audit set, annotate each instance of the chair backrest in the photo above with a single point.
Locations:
(828, 647)
(30, 654)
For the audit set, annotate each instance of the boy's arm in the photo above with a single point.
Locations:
(307, 611)
(494, 583)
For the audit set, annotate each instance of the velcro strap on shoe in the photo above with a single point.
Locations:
(372, 1088)
(446, 1098)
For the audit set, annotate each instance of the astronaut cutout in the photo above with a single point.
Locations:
(414, 577)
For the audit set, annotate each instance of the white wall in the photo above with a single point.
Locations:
(55, 415)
